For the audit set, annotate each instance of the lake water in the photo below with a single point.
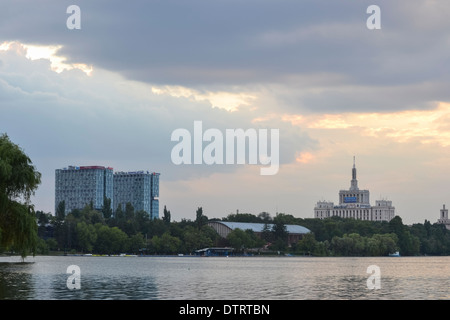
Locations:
(222, 278)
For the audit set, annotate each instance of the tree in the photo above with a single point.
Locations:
(264, 216)
(18, 182)
(107, 210)
(141, 218)
(119, 213)
(242, 217)
(408, 243)
(61, 210)
(129, 211)
(200, 218)
(166, 217)
(280, 234)
(137, 243)
(166, 244)
(266, 233)
(195, 238)
(307, 244)
(86, 236)
(110, 240)
(244, 239)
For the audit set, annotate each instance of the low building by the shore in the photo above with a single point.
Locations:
(223, 228)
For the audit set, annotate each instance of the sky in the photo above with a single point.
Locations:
(112, 93)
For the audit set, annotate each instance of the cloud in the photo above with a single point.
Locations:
(290, 56)
(310, 68)
(424, 126)
(197, 44)
(106, 117)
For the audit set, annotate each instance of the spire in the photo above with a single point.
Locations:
(354, 183)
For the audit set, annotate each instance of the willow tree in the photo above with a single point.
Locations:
(18, 182)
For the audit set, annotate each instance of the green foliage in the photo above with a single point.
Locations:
(195, 238)
(128, 231)
(201, 219)
(408, 243)
(88, 231)
(136, 243)
(241, 240)
(110, 240)
(61, 210)
(86, 236)
(356, 245)
(166, 244)
(166, 216)
(243, 217)
(107, 210)
(18, 182)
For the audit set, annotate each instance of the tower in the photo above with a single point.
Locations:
(443, 217)
(444, 213)
(354, 182)
(354, 195)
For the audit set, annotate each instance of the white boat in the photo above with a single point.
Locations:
(395, 254)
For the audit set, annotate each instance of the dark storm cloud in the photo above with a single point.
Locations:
(226, 43)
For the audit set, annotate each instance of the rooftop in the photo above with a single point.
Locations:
(259, 227)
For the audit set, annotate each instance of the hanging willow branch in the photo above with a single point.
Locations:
(18, 182)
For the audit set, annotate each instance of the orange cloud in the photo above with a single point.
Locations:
(304, 157)
(426, 126)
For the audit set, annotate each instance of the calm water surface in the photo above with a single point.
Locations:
(168, 278)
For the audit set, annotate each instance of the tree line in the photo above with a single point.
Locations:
(134, 232)
(129, 231)
(337, 236)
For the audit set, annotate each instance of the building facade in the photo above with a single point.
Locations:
(355, 203)
(80, 186)
(443, 217)
(139, 188)
(223, 228)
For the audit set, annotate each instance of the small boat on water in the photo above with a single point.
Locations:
(395, 254)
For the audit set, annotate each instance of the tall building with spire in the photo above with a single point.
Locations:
(355, 203)
(354, 195)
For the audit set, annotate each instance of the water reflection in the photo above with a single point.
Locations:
(15, 280)
(254, 278)
(110, 288)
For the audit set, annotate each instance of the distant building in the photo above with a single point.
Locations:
(139, 188)
(443, 217)
(223, 228)
(355, 203)
(80, 186)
